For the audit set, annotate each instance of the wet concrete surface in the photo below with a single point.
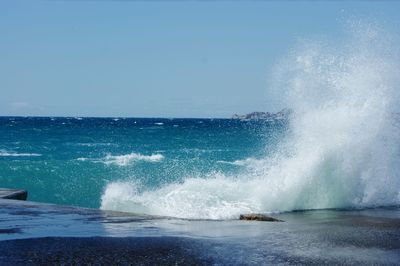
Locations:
(41, 234)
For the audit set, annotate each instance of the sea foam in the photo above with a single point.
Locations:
(126, 159)
(5, 153)
(341, 151)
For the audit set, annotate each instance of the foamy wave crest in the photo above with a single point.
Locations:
(250, 162)
(214, 198)
(124, 160)
(4, 153)
(342, 148)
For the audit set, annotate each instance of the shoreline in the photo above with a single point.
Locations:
(40, 233)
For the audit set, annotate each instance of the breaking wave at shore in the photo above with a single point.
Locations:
(342, 148)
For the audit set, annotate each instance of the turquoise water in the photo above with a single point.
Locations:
(72, 160)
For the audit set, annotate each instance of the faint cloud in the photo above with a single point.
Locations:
(25, 109)
(19, 105)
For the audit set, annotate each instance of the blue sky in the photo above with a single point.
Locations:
(157, 59)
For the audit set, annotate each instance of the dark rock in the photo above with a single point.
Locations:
(258, 217)
(6, 193)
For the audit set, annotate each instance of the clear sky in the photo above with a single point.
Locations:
(158, 58)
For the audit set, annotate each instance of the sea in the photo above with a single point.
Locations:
(124, 163)
(196, 168)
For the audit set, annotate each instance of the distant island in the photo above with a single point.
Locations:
(283, 114)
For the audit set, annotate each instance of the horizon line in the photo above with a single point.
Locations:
(123, 117)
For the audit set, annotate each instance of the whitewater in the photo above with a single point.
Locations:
(341, 149)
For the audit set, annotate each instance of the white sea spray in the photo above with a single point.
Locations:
(342, 149)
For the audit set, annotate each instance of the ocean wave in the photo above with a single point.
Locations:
(88, 144)
(126, 159)
(214, 198)
(251, 161)
(4, 153)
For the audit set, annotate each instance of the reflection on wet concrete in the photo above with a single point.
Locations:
(32, 234)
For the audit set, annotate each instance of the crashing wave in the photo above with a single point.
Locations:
(342, 147)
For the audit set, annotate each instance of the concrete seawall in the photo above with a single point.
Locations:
(45, 234)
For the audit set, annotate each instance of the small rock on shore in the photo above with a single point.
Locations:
(258, 217)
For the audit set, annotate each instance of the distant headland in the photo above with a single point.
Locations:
(283, 114)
